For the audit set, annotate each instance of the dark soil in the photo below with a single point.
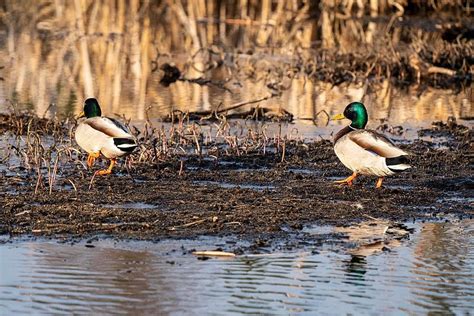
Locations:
(253, 196)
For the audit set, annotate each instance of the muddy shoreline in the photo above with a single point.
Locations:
(262, 198)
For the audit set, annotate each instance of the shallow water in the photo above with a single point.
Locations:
(257, 187)
(132, 205)
(304, 100)
(432, 271)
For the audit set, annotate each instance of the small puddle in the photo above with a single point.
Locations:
(257, 187)
(304, 171)
(463, 199)
(131, 205)
(432, 271)
(402, 187)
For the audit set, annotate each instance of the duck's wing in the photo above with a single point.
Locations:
(376, 143)
(109, 126)
(119, 124)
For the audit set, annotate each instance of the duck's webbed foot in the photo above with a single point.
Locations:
(91, 158)
(106, 171)
(347, 180)
(379, 183)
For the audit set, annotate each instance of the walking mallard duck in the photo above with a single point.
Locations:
(102, 135)
(364, 151)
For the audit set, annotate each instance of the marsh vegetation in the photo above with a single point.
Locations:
(242, 177)
(56, 53)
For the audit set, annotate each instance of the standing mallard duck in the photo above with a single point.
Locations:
(364, 151)
(102, 135)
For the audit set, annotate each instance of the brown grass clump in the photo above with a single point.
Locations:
(43, 149)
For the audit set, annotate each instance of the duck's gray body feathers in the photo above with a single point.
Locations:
(105, 135)
(368, 152)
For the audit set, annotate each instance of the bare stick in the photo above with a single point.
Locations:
(181, 168)
(213, 253)
(92, 181)
(240, 104)
(441, 70)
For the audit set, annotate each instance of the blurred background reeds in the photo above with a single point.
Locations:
(307, 55)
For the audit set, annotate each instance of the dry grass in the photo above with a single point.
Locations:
(44, 149)
(63, 51)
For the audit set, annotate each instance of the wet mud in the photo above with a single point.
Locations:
(265, 198)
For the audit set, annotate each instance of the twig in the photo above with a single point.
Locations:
(181, 168)
(213, 253)
(189, 224)
(23, 213)
(92, 181)
(73, 185)
(441, 70)
(233, 223)
(240, 104)
(372, 218)
(283, 151)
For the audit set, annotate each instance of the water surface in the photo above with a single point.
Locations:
(432, 271)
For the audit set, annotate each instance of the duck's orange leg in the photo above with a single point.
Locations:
(348, 180)
(108, 170)
(91, 158)
(379, 183)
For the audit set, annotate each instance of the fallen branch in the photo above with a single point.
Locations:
(188, 224)
(212, 219)
(240, 104)
(22, 213)
(213, 253)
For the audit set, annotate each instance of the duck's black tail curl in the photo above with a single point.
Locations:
(397, 164)
(125, 144)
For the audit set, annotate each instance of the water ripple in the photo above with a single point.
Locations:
(432, 272)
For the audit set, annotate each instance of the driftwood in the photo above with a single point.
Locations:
(213, 253)
(254, 113)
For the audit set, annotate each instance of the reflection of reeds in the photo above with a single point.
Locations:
(62, 48)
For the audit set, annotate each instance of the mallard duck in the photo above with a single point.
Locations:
(102, 135)
(365, 151)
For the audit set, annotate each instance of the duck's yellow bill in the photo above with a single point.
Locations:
(338, 117)
(82, 114)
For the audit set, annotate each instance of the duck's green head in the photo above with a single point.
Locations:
(92, 108)
(357, 113)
